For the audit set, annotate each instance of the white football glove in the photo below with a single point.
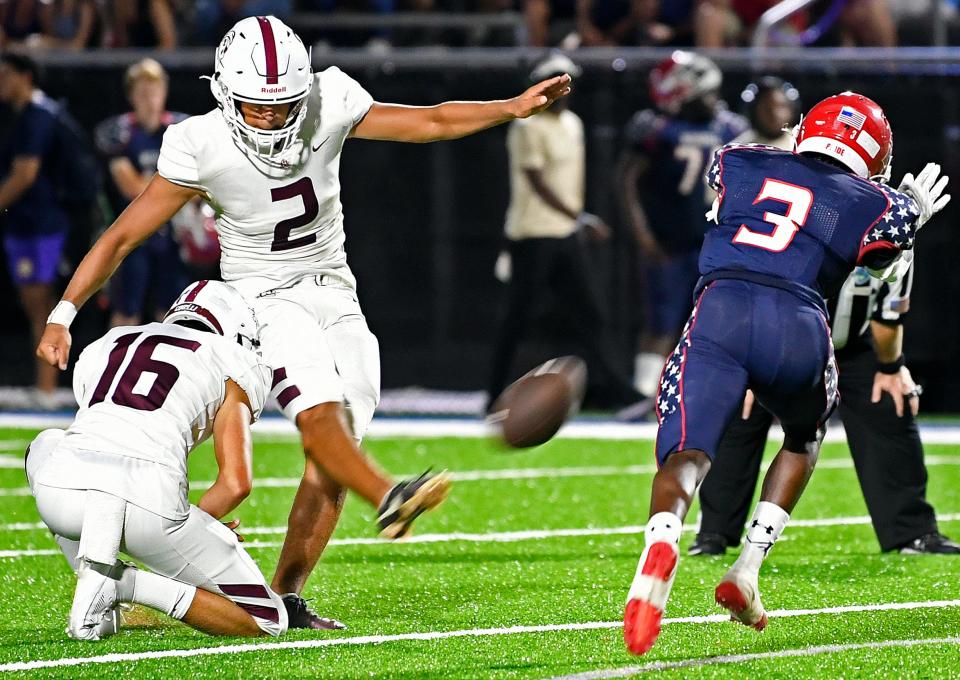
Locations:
(927, 191)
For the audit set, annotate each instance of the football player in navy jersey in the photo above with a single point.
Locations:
(152, 275)
(789, 227)
(664, 195)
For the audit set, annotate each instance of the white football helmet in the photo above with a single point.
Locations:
(218, 307)
(262, 61)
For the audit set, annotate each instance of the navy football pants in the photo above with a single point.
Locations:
(739, 335)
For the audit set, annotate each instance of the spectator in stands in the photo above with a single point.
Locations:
(34, 224)
(544, 221)
(140, 23)
(549, 21)
(213, 18)
(728, 23)
(867, 23)
(606, 23)
(633, 22)
(668, 22)
(64, 24)
(152, 275)
(19, 19)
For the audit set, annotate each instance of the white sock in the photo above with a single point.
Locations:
(171, 597)
(664, 526)
(647, 369)
(763, 531)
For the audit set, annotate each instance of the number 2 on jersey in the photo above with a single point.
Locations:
(303, 188)
(141, 362)
(798, 199)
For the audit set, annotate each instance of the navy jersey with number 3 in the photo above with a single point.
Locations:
(800, 221)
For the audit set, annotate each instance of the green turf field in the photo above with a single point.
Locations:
(542, 600)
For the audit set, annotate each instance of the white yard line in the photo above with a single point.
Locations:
(12, 462)
(15, 554)
(441, 635)
(629, 671)
(23, 526)
(510, 473)
(491, 537)
(18, 445)
(541, 534)
(474, 428)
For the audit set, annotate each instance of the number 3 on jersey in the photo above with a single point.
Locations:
(798, 200)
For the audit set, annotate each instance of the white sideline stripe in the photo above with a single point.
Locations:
(474, 428)
(514, 473)
(23, 526)
(29, 553)
(628, 671)
(441, 635)
(7, 461)
(540, 534)
(18, 445)
(493, 537)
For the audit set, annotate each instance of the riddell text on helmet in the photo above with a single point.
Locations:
(273, 90)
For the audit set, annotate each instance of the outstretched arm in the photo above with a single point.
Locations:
(451, 120)
(144, 216)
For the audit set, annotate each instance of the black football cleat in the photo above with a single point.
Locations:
(408, 500)
(708, 544)
(933, 543)
(299, 615)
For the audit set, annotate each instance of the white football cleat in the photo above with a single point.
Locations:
(739, 593)
(648, 596)
(93, 600)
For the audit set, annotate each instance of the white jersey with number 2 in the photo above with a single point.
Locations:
(278, 222)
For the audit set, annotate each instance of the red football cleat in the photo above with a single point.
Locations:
(739, 594)
(648, 596)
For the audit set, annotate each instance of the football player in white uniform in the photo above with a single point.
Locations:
(268, 158)
(149, 395)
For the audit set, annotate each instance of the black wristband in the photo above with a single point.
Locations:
(892, 367)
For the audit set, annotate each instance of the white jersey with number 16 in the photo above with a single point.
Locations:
(148, 396)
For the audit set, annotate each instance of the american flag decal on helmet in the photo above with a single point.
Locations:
(850, 116)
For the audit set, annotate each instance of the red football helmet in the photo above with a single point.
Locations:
(851, 129)
(682, 77)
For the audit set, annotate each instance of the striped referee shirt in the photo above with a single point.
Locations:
(862, 299)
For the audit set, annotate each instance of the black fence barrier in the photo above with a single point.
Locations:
(424, 222)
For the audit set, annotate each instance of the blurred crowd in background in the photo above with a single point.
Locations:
(61, 182)
(380, 24)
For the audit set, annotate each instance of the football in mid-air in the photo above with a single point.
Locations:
(532, 410)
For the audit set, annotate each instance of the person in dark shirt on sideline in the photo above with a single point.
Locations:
(34, 224)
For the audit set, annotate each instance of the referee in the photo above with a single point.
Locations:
(544, 225)
(878, 403)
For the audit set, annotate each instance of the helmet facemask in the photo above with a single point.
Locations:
(268, 145)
